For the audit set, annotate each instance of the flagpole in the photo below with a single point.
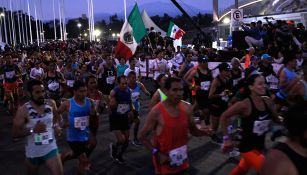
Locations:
(39, 22)
(13, 25)
(30, 24)
(89, 21)
(37, 35)
(93, 23)
(54, 26)
(63, 20)
(60, 16)
(22, 25)
(125, 9)
(42, 19)
(18, 22)
(4, 21)
(1, 29)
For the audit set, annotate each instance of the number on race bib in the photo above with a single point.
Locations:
(10, 74)
(205, 85)
(178, 156)
(43, 138)
(70, 83)
(261, 127)
(123, 108)
(110, 79)
(53, 86)
(81, 122)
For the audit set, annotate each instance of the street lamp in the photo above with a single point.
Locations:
(2, 14)
(118, 35)
(226, 21)
(97, 32)
(79, 25)
(113, 35)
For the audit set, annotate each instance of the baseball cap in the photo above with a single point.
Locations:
(224, 67)
(265, 56)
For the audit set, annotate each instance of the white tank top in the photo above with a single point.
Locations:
(38, 145)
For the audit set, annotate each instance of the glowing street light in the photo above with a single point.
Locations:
(97, 32)
(226, 21)
(113, 35)
(79, 25)
(118, 35)
(2, 14)
(85, 34)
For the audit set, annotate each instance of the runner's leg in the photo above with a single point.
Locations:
(31, 169)
(55, 165)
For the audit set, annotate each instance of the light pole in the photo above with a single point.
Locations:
(97, 33)
(79, 25)
(1, 15)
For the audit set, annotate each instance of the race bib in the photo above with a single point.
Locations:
(178, 156)
(236, 81)
(261, 127)
(272, 81)
(70, 83)
(81, 122)
(225, 98)
(10, 74)
(135, 96)
(123, 108)
(53, 86)
(110, 79)
(205, 85)
(43, 138)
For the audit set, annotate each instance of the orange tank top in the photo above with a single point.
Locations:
(173, 135)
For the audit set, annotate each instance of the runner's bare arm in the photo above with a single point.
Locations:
(277, 163)
(213, 89)
(19, 122)
(144, 89)
(273, 110)
(56, 115)
(93, 119)
(192, 127)
(64, 107)
(149, 126)
(112, 100)
(154, 100)
(189, 76)
(240, 108)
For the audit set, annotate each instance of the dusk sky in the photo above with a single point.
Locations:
(74, 8)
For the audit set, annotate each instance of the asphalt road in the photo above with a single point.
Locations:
(205, 157)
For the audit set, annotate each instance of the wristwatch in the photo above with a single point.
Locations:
(154, 151)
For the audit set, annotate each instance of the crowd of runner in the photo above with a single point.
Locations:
(71, 84)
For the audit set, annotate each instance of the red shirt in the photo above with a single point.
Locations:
(173, 135)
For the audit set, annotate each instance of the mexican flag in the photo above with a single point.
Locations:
(174, 31)
(131, 35)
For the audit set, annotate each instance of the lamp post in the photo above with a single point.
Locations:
(79, 25)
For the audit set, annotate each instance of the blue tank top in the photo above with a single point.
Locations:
(290, 76)
(78, 118)
(135, 95)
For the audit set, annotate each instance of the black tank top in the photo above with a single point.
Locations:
(203, 80)
(299, 161)
(254, 128)
(109, 76)
(53, 83)
(222, 87)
